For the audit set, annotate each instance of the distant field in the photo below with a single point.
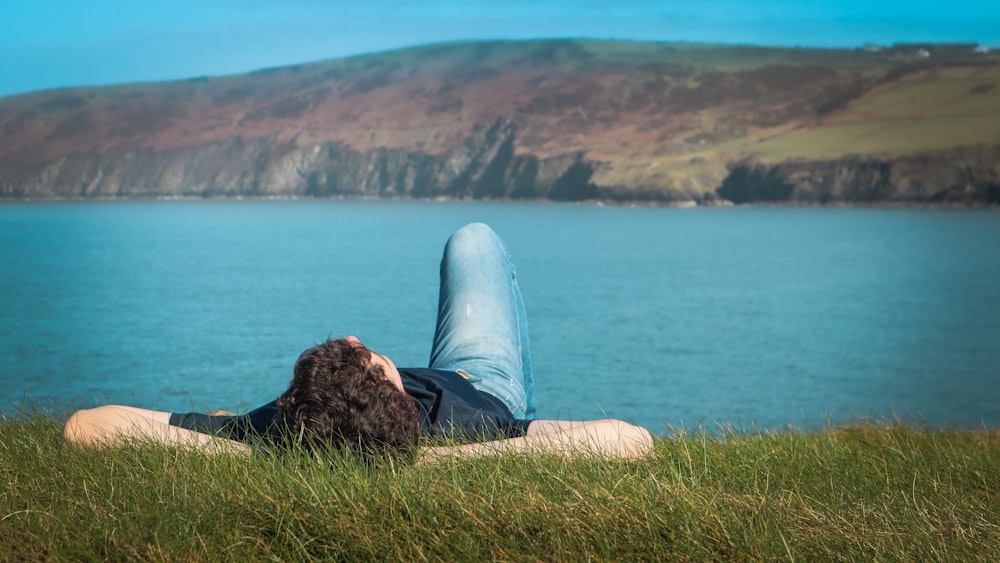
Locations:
(939, 109)
(917, 108)
(730, 58)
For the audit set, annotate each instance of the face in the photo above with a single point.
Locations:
(389, 368)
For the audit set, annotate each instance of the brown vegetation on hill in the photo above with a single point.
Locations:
(555, 119)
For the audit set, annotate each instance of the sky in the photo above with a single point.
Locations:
(60, 43)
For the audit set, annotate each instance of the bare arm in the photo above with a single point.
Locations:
(607, 438)
(115, 424)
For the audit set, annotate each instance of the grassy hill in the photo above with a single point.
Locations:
(666, 120)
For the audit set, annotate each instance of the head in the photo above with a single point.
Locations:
(342, 396)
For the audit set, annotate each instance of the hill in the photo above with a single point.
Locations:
(560, 119)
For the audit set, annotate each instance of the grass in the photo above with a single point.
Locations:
(873, 493)
(930, 111)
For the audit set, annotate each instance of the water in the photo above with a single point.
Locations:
(762, 317)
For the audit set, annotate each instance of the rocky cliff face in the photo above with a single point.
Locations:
(960, 176)
(560, 120)
(483, 166)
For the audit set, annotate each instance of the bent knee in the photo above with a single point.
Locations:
(476, 228)
(472, 235)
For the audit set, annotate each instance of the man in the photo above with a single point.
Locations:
(476, 391)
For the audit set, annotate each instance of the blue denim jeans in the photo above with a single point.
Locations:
(482, 330)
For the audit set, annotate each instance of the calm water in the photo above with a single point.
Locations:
(743, 316)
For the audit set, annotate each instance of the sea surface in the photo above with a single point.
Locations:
(747, 317)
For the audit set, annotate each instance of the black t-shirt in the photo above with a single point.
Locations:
(449, 407)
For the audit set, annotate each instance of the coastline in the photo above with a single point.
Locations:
(598, 202)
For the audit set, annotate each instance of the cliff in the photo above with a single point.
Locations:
(483, 166)
(962, 177)
(560, 120)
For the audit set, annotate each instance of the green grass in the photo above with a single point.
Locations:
(926, 112)
(864, 493)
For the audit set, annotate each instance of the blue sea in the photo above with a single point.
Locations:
(748, 317)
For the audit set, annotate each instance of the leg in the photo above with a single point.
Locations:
(481, 324)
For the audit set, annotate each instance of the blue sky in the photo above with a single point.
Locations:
(56, 43)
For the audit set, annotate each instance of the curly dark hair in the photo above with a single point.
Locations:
(339, 398)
